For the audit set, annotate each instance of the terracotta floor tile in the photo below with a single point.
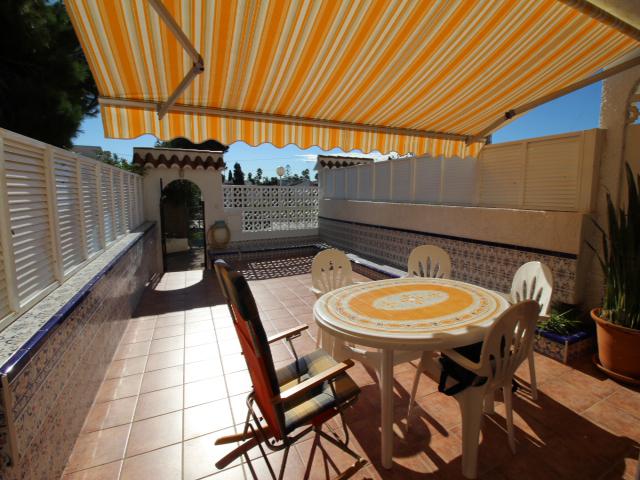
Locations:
(201, 453)
(201, 353)
(110, 471)
(136, 336)
(123, 368)
(202, 338)
(97, 448)
(162, 464)
(172, 331)
(234, 363)
(166, 344)
(204, 391)
(155, 432)
(170, 321)
(207, 418)
(164, 378)
(239, 472)
(162, 360)
(238, 382)
(196, 371)
(616, 421)
(158, 403)
(627, 401)
(110, 414)
(131, 350)
(567, 394)
(116, 388)
(203, 326)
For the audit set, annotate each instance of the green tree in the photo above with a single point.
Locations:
(306, 174)
(238, 174)
(120, 162)
(45, 83)
(250, 177)
(230, 177)
(259, 176)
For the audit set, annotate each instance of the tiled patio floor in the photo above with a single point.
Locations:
(178, 381)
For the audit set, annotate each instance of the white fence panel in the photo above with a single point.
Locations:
(55, 210)
(501, 172)
(5, 308)
(340, 183)
(108, 209)
(91, 214)
(26, 183)
(552, 178)
(365, 182)
(459, 181)
(402, 189)
(546, 173)
(382, 181)
(428, 179)
(351, 182)
(69, 212)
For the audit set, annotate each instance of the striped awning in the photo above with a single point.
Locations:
(419, 76)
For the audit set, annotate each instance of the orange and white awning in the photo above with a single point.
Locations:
(420, 76)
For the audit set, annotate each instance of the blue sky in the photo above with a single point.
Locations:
(576, 111)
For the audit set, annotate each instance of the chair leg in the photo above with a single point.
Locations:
(508, 406)
(471, 404)
(532, 376)
(489, 402)
(416, 381)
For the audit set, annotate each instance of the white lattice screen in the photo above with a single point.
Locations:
(269, 209)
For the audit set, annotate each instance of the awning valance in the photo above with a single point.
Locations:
(418, 76)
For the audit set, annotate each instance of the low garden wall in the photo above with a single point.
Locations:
(55, 356)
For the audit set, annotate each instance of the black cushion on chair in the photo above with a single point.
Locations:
(463, 377)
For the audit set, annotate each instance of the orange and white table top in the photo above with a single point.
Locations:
(410, 312)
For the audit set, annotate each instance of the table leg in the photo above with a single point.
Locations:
(386, 396)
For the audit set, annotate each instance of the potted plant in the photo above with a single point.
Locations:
(618, 321)
(564, 335)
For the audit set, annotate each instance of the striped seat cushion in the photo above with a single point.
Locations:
(302, 409)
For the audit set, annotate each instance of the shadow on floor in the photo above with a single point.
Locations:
(204, 293)
(192, 259)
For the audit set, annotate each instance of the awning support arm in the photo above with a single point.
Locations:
(198, 62)
(313, 122)
(509, 114)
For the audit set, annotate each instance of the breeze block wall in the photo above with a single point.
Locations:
(48, 392)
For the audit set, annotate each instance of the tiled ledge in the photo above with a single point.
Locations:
(25, 334)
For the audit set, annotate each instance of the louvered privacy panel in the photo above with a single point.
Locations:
(546, 173)
(57, 211)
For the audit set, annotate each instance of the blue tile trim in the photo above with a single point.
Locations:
(555, 337)
(22, 356)
(462, 239)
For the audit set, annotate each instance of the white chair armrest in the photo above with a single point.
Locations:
(318, 293)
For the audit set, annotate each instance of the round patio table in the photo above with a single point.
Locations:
(413, 313)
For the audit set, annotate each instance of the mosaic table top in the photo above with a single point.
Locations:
(411, 310)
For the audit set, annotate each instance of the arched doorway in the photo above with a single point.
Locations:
(182, 225)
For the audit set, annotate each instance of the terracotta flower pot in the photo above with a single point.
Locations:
(618, 347)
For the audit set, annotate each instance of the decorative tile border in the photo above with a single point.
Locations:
(488, 265)
(564, 349)
(49, 391)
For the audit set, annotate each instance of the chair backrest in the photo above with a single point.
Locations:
(533, 281)
(255, 346)
(429, 261)
(331, 269)
(507, 343)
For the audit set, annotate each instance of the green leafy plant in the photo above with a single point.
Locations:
(620, 260)
(563, 320)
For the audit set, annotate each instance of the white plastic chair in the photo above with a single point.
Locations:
(429, 261)
(504, 348)
(330, 269)
(533, 281)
